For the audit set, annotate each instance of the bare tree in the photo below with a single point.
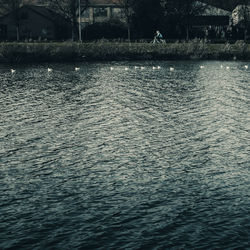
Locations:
(70, 10)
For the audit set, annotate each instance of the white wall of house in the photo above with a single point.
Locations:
(96, 14)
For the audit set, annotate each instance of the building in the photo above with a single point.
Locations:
(238, 11)
(92, 11)
(212, 16)
(101, 11)
(212, 23)
(224, 5)
(239, 16)
(35, 2)
(34, 22)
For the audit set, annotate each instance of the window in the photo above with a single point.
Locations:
(86, 13)
(117, 13)
(100, 12)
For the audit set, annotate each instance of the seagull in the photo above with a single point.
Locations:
(142, 67)
(158, 67)
(126, 68)
(77, 69)
(49, 70)
(111, 68)
(227, 67)
(202, 67)
(221, 66)
(171, 69)
(154, 67)
(246, 66)
(136, 67)
(13, 71)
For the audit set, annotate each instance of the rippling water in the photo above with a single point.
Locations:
(125, 158)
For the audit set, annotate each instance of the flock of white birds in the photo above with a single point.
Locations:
(172, 68)
(139, 67)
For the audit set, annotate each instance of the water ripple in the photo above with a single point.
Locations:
(125, 159)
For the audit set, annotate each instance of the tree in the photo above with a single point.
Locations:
(128, 6)
(245, 16)
(69, 9)
(183, 11)
(148, 17)
(241, 19)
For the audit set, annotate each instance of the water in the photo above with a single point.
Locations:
(125, 159)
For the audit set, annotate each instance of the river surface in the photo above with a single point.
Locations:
(125, 157)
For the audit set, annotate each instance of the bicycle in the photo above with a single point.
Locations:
(158, 40)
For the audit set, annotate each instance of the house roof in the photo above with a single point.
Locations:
(228, 5)
(47, 13)
(90, 2)
(105, 2)
(42, 11)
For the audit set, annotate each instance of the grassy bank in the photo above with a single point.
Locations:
(68, 51)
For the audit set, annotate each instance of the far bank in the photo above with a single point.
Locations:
(13, 52)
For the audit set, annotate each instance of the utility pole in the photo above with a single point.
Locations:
(79, 16)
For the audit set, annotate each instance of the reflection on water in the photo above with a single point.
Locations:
(125, 158)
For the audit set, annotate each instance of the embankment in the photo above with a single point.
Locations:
(69, 51)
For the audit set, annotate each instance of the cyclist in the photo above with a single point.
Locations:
(158, 38)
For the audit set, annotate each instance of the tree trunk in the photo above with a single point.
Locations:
(17, 33)
(187, 33)
(74, 31)
(187, 26)
(129, 33)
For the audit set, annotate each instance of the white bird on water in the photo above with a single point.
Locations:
(12, 71)
(221, 66)
(171, 69)
(154, 67)
(158, 67)
(77, 68)
(136, 67)
(142, 67)
(227, 67)
(126, 68)
(202, 66)
(49, 69)
(111, 68)
(246, 66)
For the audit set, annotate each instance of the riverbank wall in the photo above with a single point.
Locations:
(100, 51)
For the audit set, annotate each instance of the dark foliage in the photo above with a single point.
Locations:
(148, 17)
(109, 30)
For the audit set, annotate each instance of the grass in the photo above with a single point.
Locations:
(105, 50)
